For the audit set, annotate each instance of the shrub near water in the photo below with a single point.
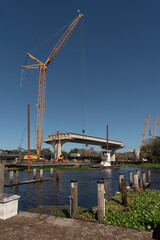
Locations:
(143, 211)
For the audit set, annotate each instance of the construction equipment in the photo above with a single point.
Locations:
(42, 81)
(154, 128)
(145, 131)
(60, 157)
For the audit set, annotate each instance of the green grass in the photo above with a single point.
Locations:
(143, 211)
(66, 168)
(62, 211)
(142, 165)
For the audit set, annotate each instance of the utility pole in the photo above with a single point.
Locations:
(29, 137)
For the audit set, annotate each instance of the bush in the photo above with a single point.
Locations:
(143, 211)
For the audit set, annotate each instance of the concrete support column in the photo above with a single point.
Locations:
(57, 150)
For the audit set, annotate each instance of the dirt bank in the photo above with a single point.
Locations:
(35, 226)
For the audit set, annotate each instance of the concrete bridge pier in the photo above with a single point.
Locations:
(57, 150)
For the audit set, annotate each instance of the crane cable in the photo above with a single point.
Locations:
(82, 83)
(82, 76)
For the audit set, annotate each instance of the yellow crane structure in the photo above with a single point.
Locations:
(42, 81)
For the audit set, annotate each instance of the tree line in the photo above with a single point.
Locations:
(151, 150)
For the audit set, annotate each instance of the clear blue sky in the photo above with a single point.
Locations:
(121, 68)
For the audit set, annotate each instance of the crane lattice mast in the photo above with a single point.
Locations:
(155, 127)
(145, 130)
(42, 81)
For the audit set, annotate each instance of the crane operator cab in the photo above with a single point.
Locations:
(106, 158)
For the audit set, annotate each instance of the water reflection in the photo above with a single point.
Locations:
(57, 192)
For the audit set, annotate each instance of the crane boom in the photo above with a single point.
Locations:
(63, 39)
(145, 130)
(155, 127)
(42, 81)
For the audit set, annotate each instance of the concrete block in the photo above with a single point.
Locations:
(8, 205)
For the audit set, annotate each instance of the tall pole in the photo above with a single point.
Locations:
(29, 137)
(107, 138)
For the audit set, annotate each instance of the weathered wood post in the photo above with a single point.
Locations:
(105, 189)
(139, 177)
(41, 174)
(136, 183)
(101, 201)
(11, 176)
(149, 178)
(74, 198)
(1, 178)
(17, 176)
(57, 175)
(51, 172)
(124, 192)
(6, 170)
(143, 180)
(34, 173)
(130, 179)
(120, 181)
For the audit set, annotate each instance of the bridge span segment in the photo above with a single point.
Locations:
(83, 139)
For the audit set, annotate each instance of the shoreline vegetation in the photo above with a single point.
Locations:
(142, 212)
(70, 168)
(141, 165)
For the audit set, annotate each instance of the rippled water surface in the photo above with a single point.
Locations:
(57, 192)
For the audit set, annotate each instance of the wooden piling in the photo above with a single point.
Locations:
(130, 179)
(74, 198)
(57, 175)
(105, 188)
(34, 173)
(136, 183)
(6, 170)
(143, 180)
(139, 177)
(124, 192)
(51, 172)
(17, 176)
(120, 182)
(149, 178)
(41, 174)
(1, 178)
(11, 176)
(101, 202)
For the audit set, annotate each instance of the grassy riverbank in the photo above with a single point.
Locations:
(66, 168)
(142, 212)
(142, 165)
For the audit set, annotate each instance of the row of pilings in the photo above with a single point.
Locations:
(136, 183)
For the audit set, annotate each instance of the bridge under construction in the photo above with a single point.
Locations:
(82, 139)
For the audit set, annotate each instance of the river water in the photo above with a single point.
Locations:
(57, 192)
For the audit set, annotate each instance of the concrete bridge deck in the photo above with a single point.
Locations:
(82, 139)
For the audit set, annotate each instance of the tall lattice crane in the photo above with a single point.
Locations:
(154, 128)
(145, 130)
(42, 81)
